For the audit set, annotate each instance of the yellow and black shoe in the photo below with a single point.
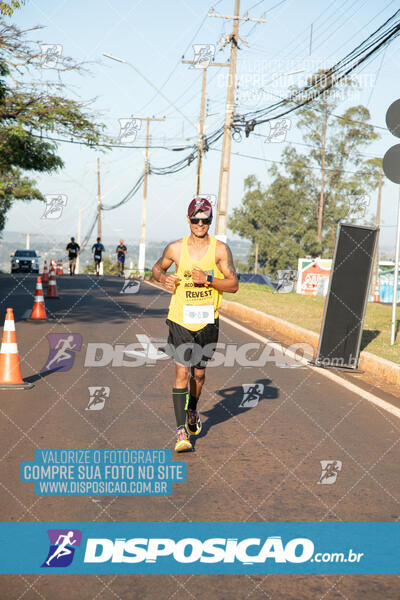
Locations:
(182, 441)
(193, 423)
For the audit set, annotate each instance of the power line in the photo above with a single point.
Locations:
(280, 162)
(178, 63)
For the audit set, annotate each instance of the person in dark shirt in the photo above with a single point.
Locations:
(73, 250)
(121, 252)
(97, 250)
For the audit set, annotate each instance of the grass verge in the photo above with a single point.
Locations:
(307, 312)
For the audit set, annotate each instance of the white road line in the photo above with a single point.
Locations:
(351, 387)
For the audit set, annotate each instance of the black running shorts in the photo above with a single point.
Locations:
(192, 348)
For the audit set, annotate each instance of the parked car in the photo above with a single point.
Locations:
(26, 261)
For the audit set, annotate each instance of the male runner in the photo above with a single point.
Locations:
(205, 269)
(73, 250)
(121, 252)
(97, 250)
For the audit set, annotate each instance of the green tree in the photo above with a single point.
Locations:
(7, 8)
(277, 218)
(30, 111)
(298, 212)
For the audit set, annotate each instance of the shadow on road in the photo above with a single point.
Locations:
(37, 376)
(234, 402)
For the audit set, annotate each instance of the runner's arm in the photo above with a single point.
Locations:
(224, 261)
(162, 265)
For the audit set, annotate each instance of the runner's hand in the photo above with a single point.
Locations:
(170, 281)
(198, 276)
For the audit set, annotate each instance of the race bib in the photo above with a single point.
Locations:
(198, 315)
(97, 257)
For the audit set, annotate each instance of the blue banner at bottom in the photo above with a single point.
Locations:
(224, 548)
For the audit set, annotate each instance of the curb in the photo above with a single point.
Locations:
(372, 364)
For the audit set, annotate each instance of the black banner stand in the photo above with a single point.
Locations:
(346, 301)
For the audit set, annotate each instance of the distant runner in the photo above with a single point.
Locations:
(205, 269)
(121, 252)
(73, 250)
(97, 250)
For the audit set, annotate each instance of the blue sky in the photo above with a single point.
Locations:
(153, 35)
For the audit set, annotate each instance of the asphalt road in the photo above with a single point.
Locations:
(250, 463)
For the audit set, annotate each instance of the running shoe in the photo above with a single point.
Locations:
(182, 441)
(193, 423)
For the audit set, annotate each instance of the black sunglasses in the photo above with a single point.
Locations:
(196, 221)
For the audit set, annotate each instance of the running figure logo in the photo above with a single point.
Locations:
(62, 350)
(203, 55)
(252, 393)
(278, 129)
(97, 397)
(131, 286)
(50, 55)
(330, 471)
(61, 551)
(357, 206)
(128, 129)
(212, 198)
(54, 206)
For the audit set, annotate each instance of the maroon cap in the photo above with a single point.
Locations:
(200, 204)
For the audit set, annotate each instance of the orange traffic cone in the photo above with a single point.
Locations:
(45, 272)
(10, 372)
(52, 286)
(59, 270)
(38, 311)
(377, 297)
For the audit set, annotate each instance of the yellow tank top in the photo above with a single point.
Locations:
(185, 291)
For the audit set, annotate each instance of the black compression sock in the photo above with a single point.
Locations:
(179, 396)
(193, 402)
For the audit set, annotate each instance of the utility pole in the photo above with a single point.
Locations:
(222, 209)
(98, 200)
(396, 277)
(99, 209)
(142, 244)
(78, 239)
(200, 143)
(28, 239)
(378, 222)
(256, 259)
